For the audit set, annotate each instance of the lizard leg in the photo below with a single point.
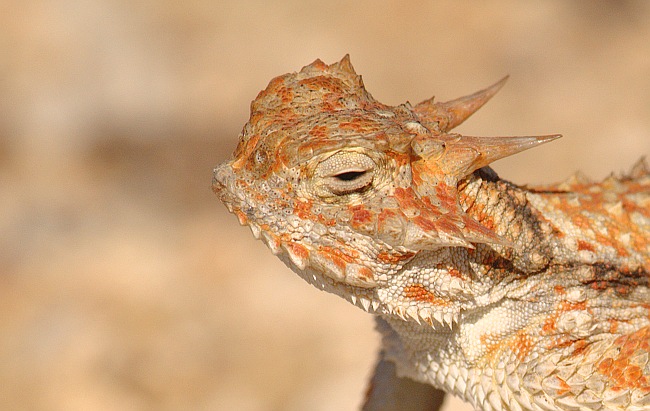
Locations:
(388, 392)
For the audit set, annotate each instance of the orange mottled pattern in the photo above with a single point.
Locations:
(494, 345)
(608, 218)
(628, 369)
(549, 326)
(417, 292)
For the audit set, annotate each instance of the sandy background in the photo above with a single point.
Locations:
(124, 284)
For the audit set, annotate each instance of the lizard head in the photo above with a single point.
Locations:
(346, 190)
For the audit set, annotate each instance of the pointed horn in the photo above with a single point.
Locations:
(495, 148)
(458, 110)
(345, 69)
(467, 154)
(346, 65)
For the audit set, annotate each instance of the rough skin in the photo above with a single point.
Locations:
(512, 298)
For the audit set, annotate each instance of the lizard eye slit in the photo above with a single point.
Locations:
(349, 181)
(350, 175)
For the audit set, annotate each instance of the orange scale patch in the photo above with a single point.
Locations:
(365, 273)
(477, 210)
(425, 224)
(585, 246)
(332, 102)
(416, 175)
(624, 290)
(244, 151)
(639, 241)
(599, 285)
(446, 226)
(522, 345)
(406, 198)
(286, 94)
(579, 347)
(302, 209)
(385, 214)
(563, 343)
(630, 206)
(357, 124)
(348, 257)
(550, 324)
(418, 292)
(563, 387)
(581, 221)
(287, 113)
(393, 258)
(243, 219)
(455, 273)
(299, 250)
(445, 193)
(331, 84)
(360, 215)
(487, 222)
(331, 222)
(494, 346)
(620, 372)
(609, 242)
(319, 132)
(275, 83)
(318, 64)
(328, 254)
(256, 117)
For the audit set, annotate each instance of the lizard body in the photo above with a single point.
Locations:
(508, 297)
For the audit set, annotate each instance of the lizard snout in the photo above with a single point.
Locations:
(220, 177)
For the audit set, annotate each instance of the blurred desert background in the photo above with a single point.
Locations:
(124, 283)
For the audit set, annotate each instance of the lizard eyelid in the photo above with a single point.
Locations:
(346, 173)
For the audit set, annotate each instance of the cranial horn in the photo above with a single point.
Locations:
(452, 113)
(345, 69)
(346, 65)
(466, 154)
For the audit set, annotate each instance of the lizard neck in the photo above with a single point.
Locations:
(547, 299)
(504, 208)
(571, 223)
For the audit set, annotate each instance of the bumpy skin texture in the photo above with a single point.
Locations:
(508, 297)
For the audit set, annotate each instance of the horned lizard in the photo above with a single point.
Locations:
(510, 297)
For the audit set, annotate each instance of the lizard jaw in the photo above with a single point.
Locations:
(341, 264)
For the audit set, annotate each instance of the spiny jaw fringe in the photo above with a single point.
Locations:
(369, 302)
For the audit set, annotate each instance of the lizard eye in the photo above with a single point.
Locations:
(350, 175)
(346, 173)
